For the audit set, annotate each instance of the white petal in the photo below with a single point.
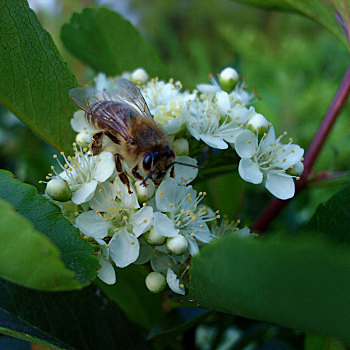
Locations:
(141, 221)
(246, 144)
(105, 166)
(164, 226)
(280, 185)
(92, 224)
(223, 102)
(249, 171)
(214, 141)
(173, 126)
(85, 192)
(79, 123)
(167, 194)
(104, 197)
(128, 200)
(192, 245)
(201, 233)
(106, 273)
(174, 282)
(185, 174)
(241, 115)
(124, 248)
(160, 261)
(208, 88)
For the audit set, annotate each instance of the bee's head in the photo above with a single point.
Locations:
(156, 164)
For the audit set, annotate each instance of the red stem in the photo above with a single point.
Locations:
(314, 149)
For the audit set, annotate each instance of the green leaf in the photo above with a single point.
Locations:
(71, 320)
(107, 42)
(322, 12)
(322, 342)
(131, 294)
(34, 80)
(332, 218)
(76, 253)
(296, 281)
(171, 327)
(28, 257)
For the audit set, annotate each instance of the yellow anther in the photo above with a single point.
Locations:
(192, 234)
(54, 156)
(161, 193)
(188, 194)
(107, 219)
(108, 245)
(100, 190)
(125, 217)
(97, 212)
(194, 218)
(181, 285)
(132, 243)
(111, 198)
(116, 229)
(76, 213)
(170, 205)
(145, 220)
(169, 264)
(201, 226)
(189, 199)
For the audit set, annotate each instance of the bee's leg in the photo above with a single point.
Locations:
(97, 143)
(136, 174)
(123, 177)
(172, 173)
(112, 137)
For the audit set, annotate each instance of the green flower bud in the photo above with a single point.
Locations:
(152, 237)
(139, 75)
(144, 191)
(177, 245)
(228, 79)
(258, 124)
(58, 190)
(155, 282)
(181, 147)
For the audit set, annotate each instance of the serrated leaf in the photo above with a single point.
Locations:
(107, 42)
(71, 320)
(28, 257)
(322, 12)
(131, 294)
(296, 281)
(76, 253)
(34, 80)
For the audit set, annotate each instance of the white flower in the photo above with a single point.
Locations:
(80, 124)
(185, 174)
(228, 74)
(205, 123)
(183, 216)
(167, 104)
(102, 83)
(83, 172)
(242, 96)
(268, 159)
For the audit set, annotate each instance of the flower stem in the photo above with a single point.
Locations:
(276, 205)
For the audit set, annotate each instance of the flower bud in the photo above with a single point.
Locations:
(228, 79)
(144, 191)
(181, 147)
(139, 75)
(83, 139)
(155, 282)
(58, 190)
(152, 237)
(258, 124)
(177, 245)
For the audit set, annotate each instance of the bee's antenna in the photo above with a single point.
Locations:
(185, 164)
(148, 176)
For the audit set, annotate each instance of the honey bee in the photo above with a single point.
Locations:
(126, 120)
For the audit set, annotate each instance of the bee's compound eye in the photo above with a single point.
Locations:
(147, 161)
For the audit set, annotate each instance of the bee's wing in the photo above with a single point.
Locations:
(131, 95)
(85, 98)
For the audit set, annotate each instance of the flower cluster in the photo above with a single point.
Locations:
(165, 225)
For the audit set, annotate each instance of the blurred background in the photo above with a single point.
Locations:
(293, 63)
